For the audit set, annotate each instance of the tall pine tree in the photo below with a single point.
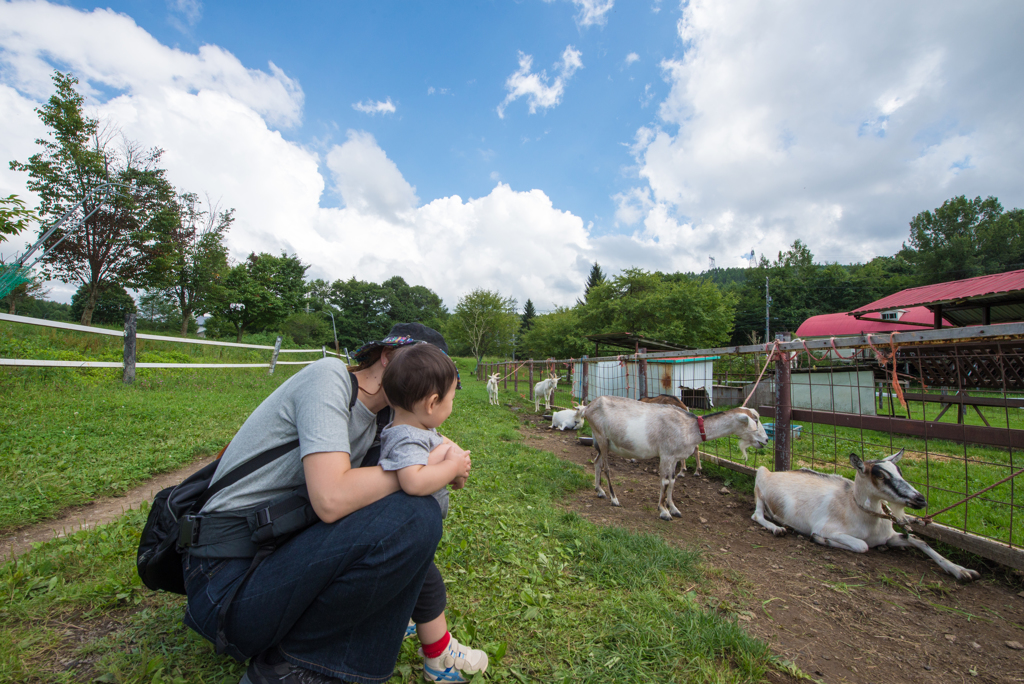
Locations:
(529, 313)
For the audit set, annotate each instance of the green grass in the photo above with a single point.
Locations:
(68, 435)
(550, 596)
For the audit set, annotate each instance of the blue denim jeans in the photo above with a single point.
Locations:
(336, 598)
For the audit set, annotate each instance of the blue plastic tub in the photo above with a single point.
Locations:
(794, 430)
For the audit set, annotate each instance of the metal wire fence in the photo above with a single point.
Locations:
(952, 399)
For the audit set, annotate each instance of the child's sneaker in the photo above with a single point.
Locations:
(410, 631)
(454, 664)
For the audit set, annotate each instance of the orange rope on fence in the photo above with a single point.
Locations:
(811, 355)
(832, 341)
(513, 371)
(928, 518)
(884, 360)
(766, 362)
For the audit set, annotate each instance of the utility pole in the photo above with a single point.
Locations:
(767, 309)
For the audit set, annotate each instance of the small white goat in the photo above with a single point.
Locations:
(547, 389)
(834, 511)
(571, 419)
(492, 389)
(633, 429)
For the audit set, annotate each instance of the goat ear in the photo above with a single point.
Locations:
(895, 458)
(856, 462)
(752, 424)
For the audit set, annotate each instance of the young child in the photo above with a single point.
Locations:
(420, 381)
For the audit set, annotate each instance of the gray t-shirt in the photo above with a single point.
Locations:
(402, 446)
(311, 406)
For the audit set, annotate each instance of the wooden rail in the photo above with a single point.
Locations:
(973, 434)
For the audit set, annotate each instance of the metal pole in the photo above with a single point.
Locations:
(585, 376)
(323, 350)
(531, 380)
(337, 349)
(642, 373)
(273, 359)
(783, 410)
(128, 377)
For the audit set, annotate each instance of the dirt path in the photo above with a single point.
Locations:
(98, 512)
(881, 617)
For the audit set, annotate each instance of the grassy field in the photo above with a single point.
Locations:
(68, 436)
(548, 595)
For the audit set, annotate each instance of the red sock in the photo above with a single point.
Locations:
(437, 648)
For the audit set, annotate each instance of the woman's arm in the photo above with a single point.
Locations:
(337, 489)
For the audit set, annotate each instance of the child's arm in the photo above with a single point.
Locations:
(422, 480)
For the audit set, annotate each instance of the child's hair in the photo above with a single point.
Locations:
(415, 372)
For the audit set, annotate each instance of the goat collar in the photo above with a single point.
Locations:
(700, 426)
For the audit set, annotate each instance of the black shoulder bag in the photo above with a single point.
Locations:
(172, 527)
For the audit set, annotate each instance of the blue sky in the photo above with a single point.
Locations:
(510, 145)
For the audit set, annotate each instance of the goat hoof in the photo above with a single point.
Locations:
(665, 516)
(779, 531)
(677, 514)
(601, 495)
(615, 501)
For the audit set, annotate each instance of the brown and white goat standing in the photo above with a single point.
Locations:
(833, 511)
(633, 429)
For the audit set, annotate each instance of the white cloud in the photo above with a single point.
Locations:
(108, 49)
(536, 87)
(593, 12)
(632, 58)
(819, 122)
(191, 11)
(375, 107)
(367, 180)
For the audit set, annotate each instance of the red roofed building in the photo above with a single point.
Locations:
(996, 298)
(845, 325)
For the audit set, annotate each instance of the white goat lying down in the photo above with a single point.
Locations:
(834, 511)
(492, 389)
(547, 389)
(571, 419)
(633, 429)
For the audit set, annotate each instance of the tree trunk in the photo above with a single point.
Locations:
(185, 315)
(90, 304)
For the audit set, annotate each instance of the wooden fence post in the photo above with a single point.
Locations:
(273, 359)
(323, 351)
(642, 373)
(585, 379)
(128, 377)
(515, 380)
(783, 410)
(504, 372)
(531, 380)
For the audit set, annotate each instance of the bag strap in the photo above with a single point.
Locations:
(267, 457)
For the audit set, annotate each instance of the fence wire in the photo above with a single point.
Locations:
(956, 408)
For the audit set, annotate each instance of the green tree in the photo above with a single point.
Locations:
(947, 243)
(483, 322)
(14, 217)
(112, 303)
(558, 335)
(688, 312)
(596, 277)
(529, 313)
(260, 293)
(366, 311)
(308, 329)
(191, 259)
(76, 157)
